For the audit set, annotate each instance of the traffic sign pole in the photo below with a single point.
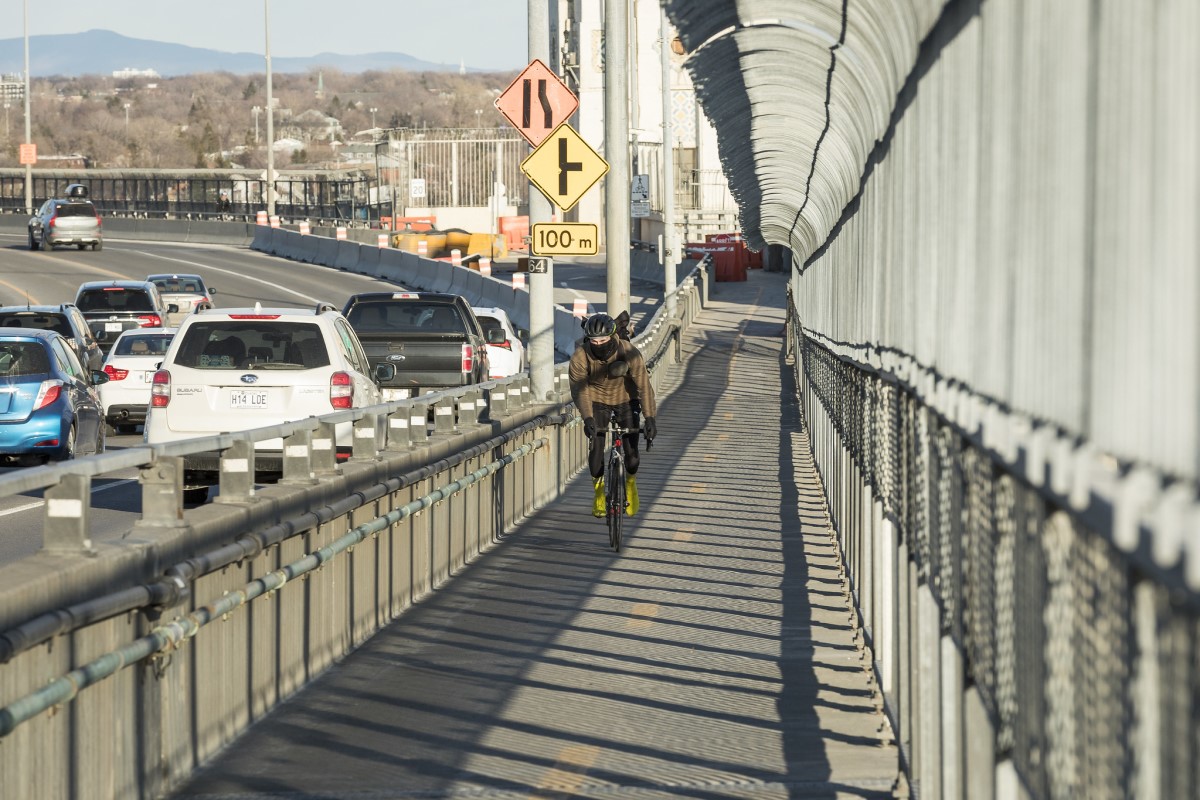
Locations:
(541, 284)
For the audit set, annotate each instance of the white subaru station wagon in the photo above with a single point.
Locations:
(235, 369)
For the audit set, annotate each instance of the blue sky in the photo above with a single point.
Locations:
(482, 33)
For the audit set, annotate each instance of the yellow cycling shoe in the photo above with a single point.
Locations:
(598, 503)
(631, 495)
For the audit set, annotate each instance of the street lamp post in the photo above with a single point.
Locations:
(28, 126)
(373, 110)
(127, 105)
(270, 111)
(256, 110)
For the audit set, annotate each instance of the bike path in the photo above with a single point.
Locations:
(713, 657)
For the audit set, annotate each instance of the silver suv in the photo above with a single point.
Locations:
(235, 369)
(70, 220)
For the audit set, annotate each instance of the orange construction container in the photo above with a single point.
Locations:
(514, 230)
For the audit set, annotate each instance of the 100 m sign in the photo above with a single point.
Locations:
(565, 239)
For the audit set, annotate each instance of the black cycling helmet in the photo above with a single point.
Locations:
(599, 325)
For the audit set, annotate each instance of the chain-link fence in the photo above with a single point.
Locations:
(1043, 660)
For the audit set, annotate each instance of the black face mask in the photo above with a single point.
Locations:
(602, 352)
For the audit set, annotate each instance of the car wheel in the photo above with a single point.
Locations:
(33, 243)
(81, 246)
(68, 451)
(101, 438)
(98, 246)
(195, 496)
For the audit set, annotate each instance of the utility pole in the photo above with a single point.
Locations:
(616, 152)
(669, 246)
(270, 112)
(28, 126)
(541, 285)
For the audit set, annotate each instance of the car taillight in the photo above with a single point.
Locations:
(52, 222)
(48, 392)
(341, 390)
(149, 320)
(160, 389)
(468, 358)
(115, 374)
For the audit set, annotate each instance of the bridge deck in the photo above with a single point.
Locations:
(713, 658)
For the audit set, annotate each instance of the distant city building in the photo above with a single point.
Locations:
(12, 87)
(130, 72)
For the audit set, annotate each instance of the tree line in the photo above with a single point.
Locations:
(207, 120)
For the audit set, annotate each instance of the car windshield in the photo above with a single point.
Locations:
(252, 344)
(404, 317)
(76, 210)
(178, 286)
(114, 299)
(44, 322)
(143, 345)
(23, 358)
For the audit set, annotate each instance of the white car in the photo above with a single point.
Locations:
(234, 369)
(508, 357)
(187, 292)
(130, 366)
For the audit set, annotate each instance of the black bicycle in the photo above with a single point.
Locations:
(614, 480)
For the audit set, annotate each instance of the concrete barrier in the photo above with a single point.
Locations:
(326, 251)
(368, 260)
(473, 287)
(346, 256)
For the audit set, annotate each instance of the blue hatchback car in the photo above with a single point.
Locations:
(49, 406)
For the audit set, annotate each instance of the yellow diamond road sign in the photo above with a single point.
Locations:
(564, 167)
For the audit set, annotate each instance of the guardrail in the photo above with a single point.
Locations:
(124, 633)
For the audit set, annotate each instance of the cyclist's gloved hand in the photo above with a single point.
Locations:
(589, 427)
(650, 428)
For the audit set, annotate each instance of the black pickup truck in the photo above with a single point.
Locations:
(434, 340)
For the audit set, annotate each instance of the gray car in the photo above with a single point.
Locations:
(65, 221)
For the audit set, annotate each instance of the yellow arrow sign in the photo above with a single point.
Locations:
(564, 167)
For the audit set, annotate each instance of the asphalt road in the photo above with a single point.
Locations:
(241, 277)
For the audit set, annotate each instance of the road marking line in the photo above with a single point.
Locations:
(567, 774)
(230, 272)
(22, 292)
(98, 489)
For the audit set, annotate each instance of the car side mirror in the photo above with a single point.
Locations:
(618, 369)
(385, 372)
(496, 336)
(99, 376)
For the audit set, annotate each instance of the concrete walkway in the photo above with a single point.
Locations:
(714, 657)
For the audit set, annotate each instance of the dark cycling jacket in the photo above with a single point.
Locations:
(590, 382)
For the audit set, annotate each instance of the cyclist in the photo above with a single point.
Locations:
(599, 396)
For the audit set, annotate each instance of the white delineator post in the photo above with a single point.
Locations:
(305, 228)
(340, 234)
(518, 280)
(580, 307)
(383, 240)
(485, 267)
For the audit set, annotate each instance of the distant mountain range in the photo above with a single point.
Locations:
(100, 52)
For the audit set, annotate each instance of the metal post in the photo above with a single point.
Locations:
(616, 152)
(28, 126)
(669, 248)
(270, 112)
(541, 285)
